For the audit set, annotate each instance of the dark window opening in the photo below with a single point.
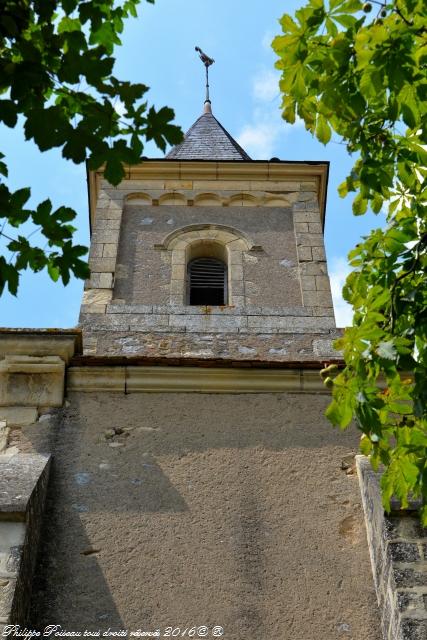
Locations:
(207, 279)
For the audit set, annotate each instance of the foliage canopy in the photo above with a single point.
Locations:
(360, 71)
(56, 69)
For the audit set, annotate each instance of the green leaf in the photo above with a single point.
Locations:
(8, 112)
(360, 205)
(323, 130)
(53, 272)
(339, 413)
(365, 446)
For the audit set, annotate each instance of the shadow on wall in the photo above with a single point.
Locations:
(168, 507)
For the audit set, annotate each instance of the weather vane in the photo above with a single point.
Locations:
(207, 61)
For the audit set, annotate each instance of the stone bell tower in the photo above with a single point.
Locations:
(196, 489)
(208, 254)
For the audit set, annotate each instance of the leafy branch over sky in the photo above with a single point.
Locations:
(359, 71)
(56, 68)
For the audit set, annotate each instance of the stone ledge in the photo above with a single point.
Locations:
(208, 322)
(41, 342)
(397, 546)
(170, 309)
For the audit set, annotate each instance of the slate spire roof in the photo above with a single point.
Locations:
(207, 140)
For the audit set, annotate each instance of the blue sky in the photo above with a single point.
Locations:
(158, 49)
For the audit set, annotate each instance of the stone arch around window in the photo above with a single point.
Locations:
(207, 240)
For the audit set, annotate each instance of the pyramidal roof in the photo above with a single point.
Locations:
(207, 140)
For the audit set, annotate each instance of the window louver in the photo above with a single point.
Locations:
(207, 281)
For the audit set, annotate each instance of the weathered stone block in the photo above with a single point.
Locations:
(404, 552)
(308, 283)
(107, 225)
(409, 600)
(18, 416)
(208, 322)
(306, 216)
(103, 265)
(325, 349)
(129, 308)
(304, 253)
(106, 236)
(410, 576)
(96, 250)
(307, 196)
(93, 308)
(178, 257)
(97, 297)
(178, 272)
(109, 251)
(308, 185)
(237, 273)
(413, 629)
(101, 280)
(313, 268)
(32, 381)
(301, 227)
(317, 298)
(322, 283)
(310, 239)
(141, 321)
(324, 311)
(318, 253)
(289, 323)
(112, 213)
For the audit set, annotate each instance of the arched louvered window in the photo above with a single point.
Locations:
(207, 282)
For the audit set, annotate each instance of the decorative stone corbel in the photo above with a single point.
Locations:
(32, 374)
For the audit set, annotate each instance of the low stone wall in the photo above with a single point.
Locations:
(23, 486)
(398, 550)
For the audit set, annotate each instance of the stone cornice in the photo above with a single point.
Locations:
(130, 379)
(63, 343)
(223, 170)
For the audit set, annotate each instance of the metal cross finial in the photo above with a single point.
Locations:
(207, 61)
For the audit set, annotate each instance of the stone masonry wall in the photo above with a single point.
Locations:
(161, 331)
(143, 273)
(132, 297)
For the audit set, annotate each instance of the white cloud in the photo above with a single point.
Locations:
(259, 139)
(338, 271)
(266, 85)
(261, 136)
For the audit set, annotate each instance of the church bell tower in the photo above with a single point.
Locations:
(210, 255)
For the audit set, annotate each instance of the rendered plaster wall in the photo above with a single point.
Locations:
(197, 509)
(143, 274)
